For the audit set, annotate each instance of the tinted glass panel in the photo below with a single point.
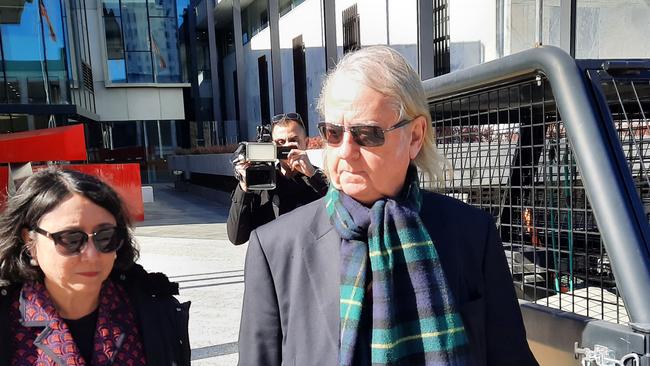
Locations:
(113, 30)
(162, 8)
(164, 44)
(135, 25)
(14, 94)
(117, 71)
(181, 6)
(142, 40)
(111, 8)
(138, 67)
(54, 40)
(20, 26)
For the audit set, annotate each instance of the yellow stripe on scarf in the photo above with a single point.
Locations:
(350, 302)
(418, 336)
(399, 247)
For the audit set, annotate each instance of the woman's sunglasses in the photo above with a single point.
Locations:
(363, 135)
(71, 242)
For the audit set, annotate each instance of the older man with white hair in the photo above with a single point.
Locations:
(379, 271)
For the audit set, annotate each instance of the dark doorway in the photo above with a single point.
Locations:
(263, 73)
(300, 80)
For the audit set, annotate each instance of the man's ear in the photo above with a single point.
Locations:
(417, 136)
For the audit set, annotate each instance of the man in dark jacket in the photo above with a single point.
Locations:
(379, 271)
(298, 182)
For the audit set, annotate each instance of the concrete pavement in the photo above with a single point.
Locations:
(184, 236)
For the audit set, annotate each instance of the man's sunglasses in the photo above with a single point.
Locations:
(292, 116)
(363, 135)
(71, 242)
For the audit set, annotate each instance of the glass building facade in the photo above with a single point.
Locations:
(43, 82)
(142, 40)
(35, 73)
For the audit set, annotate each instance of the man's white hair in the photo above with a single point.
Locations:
(385, 70)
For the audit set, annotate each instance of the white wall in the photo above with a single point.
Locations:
(306, 20)
(303, 20)
(613, 29)
(472, 31)
(127, 103)
(399, 29)
(521, 27)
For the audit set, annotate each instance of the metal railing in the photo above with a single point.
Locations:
(557, 151)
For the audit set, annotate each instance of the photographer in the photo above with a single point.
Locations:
(298, 182)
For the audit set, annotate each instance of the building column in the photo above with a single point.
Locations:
(24, 99)
(329, 30)
(194, 74)
(214, 72)
(241, 69)
(276, 54)
(568, 26)
(425, 39)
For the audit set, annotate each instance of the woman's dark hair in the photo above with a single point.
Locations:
(40, 194)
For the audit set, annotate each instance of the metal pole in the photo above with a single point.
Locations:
(276, 55)
(329, 33)
(241, 69)
(425, 39)
(539, 19)
(214, 73)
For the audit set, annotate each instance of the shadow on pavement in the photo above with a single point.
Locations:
(172, 207)
(214, 351)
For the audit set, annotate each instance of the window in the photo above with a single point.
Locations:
(142, 41)
(33, 55)
(441, 60)
(351, 30)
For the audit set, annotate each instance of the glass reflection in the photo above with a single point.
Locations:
(164, 44)
(33, 45)
(142, 40)
(111, 7)
(113, 30)
(162, 8)
(117, 71)
(135, 25)
(54, 49)
(138, 67)
(21, 26)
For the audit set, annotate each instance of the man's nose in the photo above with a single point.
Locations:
(348, 149)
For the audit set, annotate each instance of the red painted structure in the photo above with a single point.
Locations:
(68, 144)
(51, 144)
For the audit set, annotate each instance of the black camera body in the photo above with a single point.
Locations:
(263, 156)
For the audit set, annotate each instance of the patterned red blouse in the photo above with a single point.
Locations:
(41, 337)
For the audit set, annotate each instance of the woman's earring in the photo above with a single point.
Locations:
(32, 260)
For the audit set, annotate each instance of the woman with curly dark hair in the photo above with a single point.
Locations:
(70, 291)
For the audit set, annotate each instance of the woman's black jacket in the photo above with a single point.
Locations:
(163, 319)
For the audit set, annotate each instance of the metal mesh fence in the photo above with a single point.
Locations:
(508, 154)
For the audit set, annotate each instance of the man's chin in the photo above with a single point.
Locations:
(360, 193)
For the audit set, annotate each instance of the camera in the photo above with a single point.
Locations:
(263, 155)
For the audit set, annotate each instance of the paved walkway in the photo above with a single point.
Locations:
(184, 236)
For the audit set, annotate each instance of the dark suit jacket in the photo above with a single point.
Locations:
(252, 209)
(291, 300)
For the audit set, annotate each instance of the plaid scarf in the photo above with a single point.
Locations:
(399, 310)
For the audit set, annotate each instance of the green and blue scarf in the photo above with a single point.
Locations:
(399, 309)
